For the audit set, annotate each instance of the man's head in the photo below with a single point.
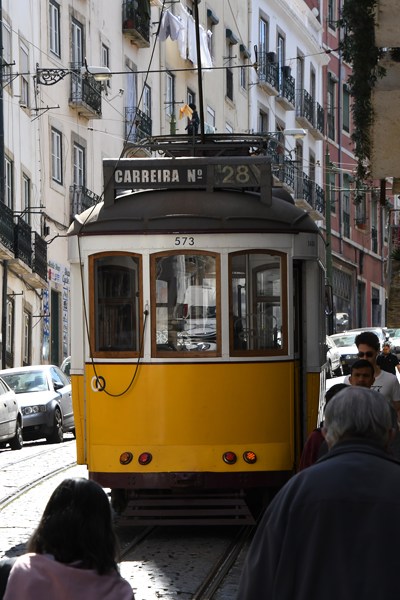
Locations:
(368, 346)
(386, 348)
(362, 373)
(357, 412)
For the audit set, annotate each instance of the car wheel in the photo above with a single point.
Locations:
(57, 435)
(17, 441)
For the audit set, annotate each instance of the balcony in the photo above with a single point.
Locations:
(305, 109)
(85, 94)
(310, 196)
(286, 96)
(25, 249)
(136, 21)
(318, 128)
(80, 198)
(138, 126)
(6, 232)
(268, 73)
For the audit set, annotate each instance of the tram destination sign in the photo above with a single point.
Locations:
(253, 173)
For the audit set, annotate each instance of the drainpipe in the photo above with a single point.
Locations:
(5, 262)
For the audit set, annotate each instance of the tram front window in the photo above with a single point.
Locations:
(258, 311)
(116, 303)
(186, 303)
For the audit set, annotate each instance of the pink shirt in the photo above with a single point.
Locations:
(39, 577)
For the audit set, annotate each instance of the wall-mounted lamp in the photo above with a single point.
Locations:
(298, 134)
(52, 76)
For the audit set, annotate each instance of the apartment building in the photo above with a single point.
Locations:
(265, 69)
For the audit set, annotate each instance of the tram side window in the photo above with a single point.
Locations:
(185, 291)
(258, 317)
(116, 303)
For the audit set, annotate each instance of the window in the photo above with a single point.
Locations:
(27, 344)
(26, 198)
(24, 62)
(6, 53)
(105, 60)
(191, 97)
(56, 156)
(79, 166)
(76, 43)
(346, 108)
(212, 20)
(228, 128)
(258, 309)
(229, 70)
(170, 94)
(331, 105)
(361, 210)
(332, 190)
(8, 183)
(54, 28)
(332, 14)
(185, 304)
(263, 121)
(147, 101)
(281, 58)
(115, 301)
(210, 120)
(263, 40)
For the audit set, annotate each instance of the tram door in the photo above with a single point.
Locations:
(299, 370)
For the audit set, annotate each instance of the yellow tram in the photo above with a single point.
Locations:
(197, 298)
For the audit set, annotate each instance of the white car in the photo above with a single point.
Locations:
(333, 359)
(347, 348)
(10, 418)
(44, 396)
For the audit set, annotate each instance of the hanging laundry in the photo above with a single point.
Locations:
(187, 40)
(185, 111)
(170, 27)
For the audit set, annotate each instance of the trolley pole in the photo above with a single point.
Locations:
(199, 72)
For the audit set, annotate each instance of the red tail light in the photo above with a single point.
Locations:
(145, 458)
(230, 458)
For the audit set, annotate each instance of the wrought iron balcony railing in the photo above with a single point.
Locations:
(305, 107)
(39, 263)
(288, 88)
(6, 227)
(85, 93)
(23, 241)
(80, 199)
(137, 124)
(267, 71)
(136, 21)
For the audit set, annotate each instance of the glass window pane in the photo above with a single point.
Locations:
(186, 303)
(258, 316)
(116, 284)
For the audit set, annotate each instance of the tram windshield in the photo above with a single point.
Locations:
(186, 303)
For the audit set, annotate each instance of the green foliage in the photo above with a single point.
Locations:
(358, 49)
(395, 254)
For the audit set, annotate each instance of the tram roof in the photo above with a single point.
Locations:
(166, 210)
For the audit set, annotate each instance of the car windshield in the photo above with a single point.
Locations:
(26, 381)
(344, 340)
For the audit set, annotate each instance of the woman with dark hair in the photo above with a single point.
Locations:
(72, 553)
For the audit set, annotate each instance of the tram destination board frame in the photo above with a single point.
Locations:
(248, 172)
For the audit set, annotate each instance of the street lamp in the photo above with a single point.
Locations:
(52, 76)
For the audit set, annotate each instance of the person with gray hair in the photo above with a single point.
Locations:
(332, 530)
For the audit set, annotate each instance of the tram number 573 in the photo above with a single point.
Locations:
(183, 240)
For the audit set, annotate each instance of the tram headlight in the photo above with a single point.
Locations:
(126, 458)
(250, 457)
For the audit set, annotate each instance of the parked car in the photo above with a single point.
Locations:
(333, 359)
(381, 332)
(10, 418)
(44, 395)
(66, 366)
(347, 348)
(395, 341)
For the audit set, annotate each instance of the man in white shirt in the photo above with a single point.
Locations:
(387, 384)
